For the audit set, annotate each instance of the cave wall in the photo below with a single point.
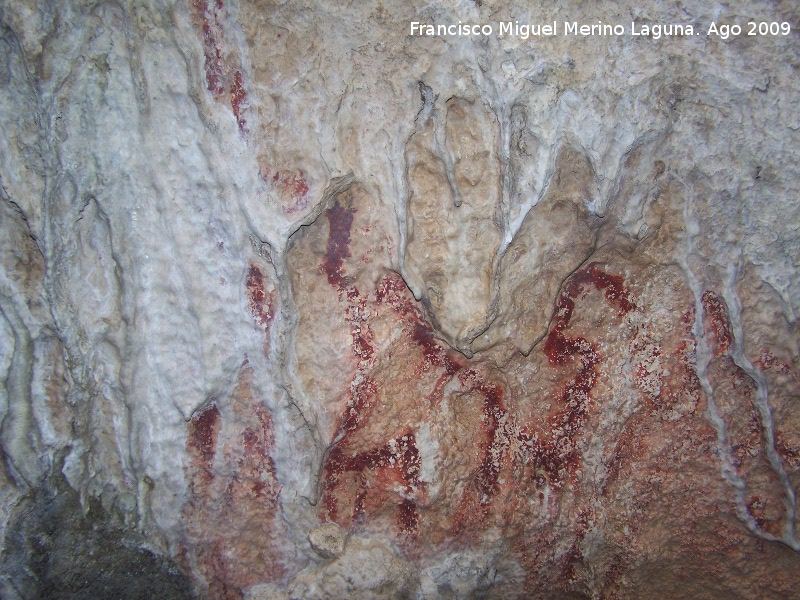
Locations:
(294, 304)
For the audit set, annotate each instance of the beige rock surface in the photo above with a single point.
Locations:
(295, 303)
(454, 218)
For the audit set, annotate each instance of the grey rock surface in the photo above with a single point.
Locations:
(518, 316)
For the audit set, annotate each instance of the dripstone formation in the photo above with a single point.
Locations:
(299, 302)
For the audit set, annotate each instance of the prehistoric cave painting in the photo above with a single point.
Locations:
(590, 425)
(262, 298)
(333, 296)
(222, 66)
(716, 323)
(201, 444)
(388, 317)
(498, 462)
(232, 513)
(771, 343)
(290, 185)
(735, 397)
(557, 455)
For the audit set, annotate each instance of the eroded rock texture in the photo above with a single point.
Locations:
(294, 304)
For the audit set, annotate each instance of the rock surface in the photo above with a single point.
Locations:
(294, 304)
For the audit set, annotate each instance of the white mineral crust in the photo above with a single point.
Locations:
(135, 199)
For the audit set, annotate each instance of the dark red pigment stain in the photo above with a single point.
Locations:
(768, 361)
(362, 346)
(555, 455)
(716, 323)
(790, 454)
(238, 501)
(224, 85)
(574, 554)
(340, 221)
(238, 100)
(393, 292)
(408, 516)
(257, 460)
(213, 61)
(558, 455)
(259, 299)
(202, 441)
(497, 439)
(558, 347)
(292, 187)
(396, 462)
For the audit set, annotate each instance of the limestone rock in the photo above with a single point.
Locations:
(367, 569)
(298, 303)
(327, 540)
(556, 237)
(454, 216)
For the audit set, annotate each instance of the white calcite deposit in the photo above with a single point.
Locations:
(298, 301)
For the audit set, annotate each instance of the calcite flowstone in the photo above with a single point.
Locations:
(453, 221)
(295, 303)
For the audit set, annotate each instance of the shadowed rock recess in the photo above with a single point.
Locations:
(295, 304)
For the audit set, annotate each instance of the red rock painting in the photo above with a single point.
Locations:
(232, 514)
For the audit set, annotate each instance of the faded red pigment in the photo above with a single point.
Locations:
(397, 461)
(257, 460)
(202, 442)
(223, 80)
(559, 454)
(293, 183)
(717, 323)
(790, 454)
(340, 220)
(556, 455)
(238, 100)
(551, 456)
(291, 186)
(232, 511)
(767, 361)
(213, 63)
(259, 299)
